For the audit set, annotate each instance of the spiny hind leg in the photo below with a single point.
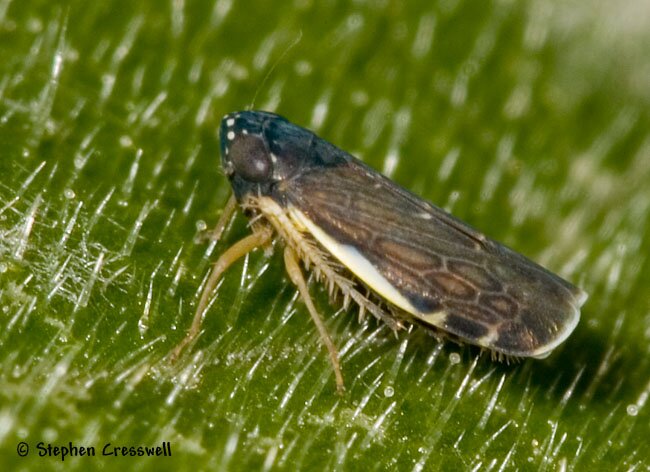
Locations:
(295, 274)
(230, 256)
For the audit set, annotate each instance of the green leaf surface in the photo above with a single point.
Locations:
(529, 120)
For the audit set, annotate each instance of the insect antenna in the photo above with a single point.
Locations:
(272, 69)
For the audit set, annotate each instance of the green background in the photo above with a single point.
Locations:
(529, 120)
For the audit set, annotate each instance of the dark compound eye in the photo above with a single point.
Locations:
(250, 159)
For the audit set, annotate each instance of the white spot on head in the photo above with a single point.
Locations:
(231, 135)
(425, 216)
(245, 131)
(230, 121)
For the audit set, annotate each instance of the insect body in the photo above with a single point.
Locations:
(362, 233)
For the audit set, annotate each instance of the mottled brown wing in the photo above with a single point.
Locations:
(477, 289)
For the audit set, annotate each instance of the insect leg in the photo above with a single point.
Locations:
(234, 252)
(295, 274)
(228, 211)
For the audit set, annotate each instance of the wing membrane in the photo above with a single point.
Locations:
(454, 277)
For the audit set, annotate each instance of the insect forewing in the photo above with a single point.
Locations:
(431, 265)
